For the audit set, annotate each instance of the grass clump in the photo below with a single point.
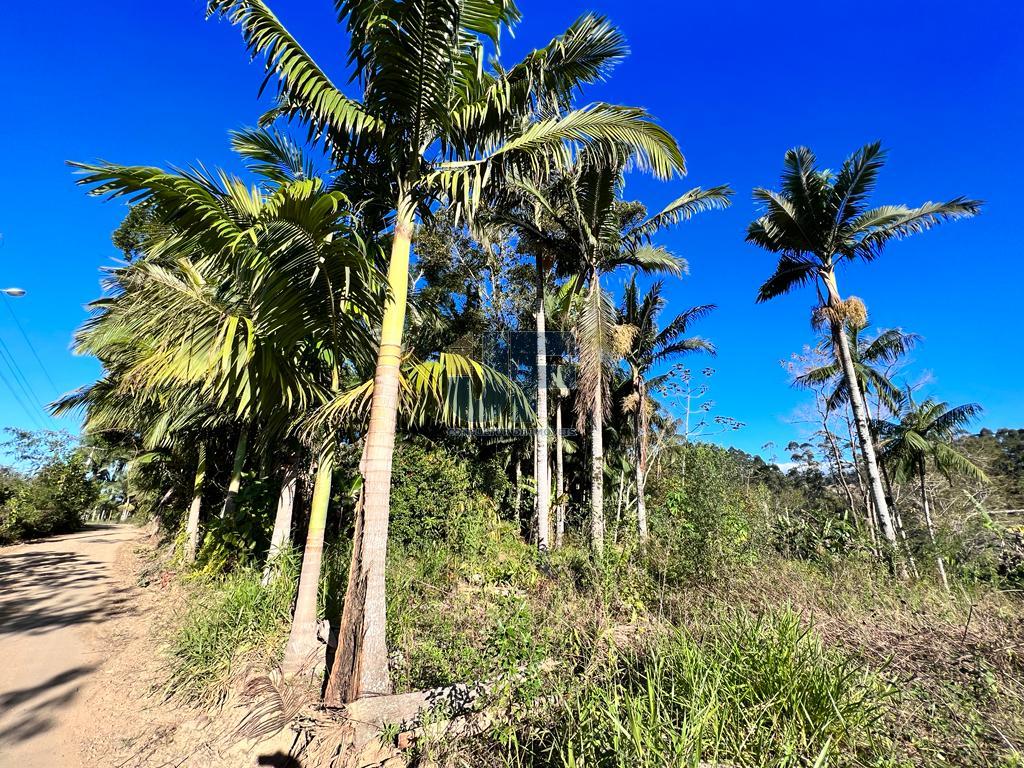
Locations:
(751, 691)
(232, 621)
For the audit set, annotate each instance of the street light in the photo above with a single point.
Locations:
(12, 291)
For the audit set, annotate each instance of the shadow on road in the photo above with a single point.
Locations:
(39, 705)
(40, 591)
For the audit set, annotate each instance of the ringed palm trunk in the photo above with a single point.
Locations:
(361, 664)
(236, 475)
(541, 458)
(842, 346)
(939, 563)
(192, 526)
(559, 478)
(641, 461)
(281, 535)
(597, 457)
(302, 642)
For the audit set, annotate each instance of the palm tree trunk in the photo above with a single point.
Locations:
(302, 643)
(641, 461)
(519, 488)
(541, 458)
(931, 528)
(559, 478)
(281, 535)
(597, 458)
(236, 475)
(192, 526)
(618, 505)
(361, 663)
(842, 347)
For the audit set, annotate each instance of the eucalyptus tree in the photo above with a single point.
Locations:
(925, 434)
(650, 347)
(595, 233)
(436, 118)
(820, 220)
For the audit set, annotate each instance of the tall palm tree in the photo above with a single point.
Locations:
(820, 220)
(650, 347)
(925, 433)
(597, 233)
(434, 120)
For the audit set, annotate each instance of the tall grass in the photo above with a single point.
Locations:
(754, 691)
(233, 620)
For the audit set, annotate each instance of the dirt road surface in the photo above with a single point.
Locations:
(55, 597)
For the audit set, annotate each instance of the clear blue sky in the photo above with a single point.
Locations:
(940, 83)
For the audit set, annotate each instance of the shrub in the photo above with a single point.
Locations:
(54, 500)
(434, 500)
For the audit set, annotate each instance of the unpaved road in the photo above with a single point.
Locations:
(54, 596)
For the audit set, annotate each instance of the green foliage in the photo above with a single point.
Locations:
(751, 691)
(231, 620)
(706, 520)
(434, 500)
(243, 536)
(54, 495)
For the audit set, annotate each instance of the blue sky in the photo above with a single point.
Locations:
(940, 83)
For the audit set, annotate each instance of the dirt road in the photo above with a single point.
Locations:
(54, 596)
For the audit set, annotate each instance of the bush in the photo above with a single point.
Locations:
(434, 500)
(705, 522)
(52, 501)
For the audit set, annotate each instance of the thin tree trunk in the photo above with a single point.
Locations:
(618, 503)
(541, 458)
(361, 663)
(559, 478)
(842, 346)
(838, 456)
(939, 563)
(597, 459)
(192, 526)
(302, 642)
(641, 460)
(519, 488)
(282, 533)
(236, 475)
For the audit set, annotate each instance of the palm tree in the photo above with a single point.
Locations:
(924, 434)
(596, 233)
(818, 221)
(434, 121)
(870, 358)
(651, 346)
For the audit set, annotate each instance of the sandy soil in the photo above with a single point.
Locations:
(56, 597)
(82, 669)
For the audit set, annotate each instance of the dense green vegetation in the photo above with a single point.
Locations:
(375, 376)
(50, 488)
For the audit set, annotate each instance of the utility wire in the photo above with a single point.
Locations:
(19, 378)
(30, 412)
(31, 346)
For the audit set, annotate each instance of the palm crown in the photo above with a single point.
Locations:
(819, 219)
(926, 432)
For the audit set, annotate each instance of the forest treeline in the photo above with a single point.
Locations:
(381, 360)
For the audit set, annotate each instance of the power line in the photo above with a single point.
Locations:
(19, 378)
(31, 346)
(30, 412)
